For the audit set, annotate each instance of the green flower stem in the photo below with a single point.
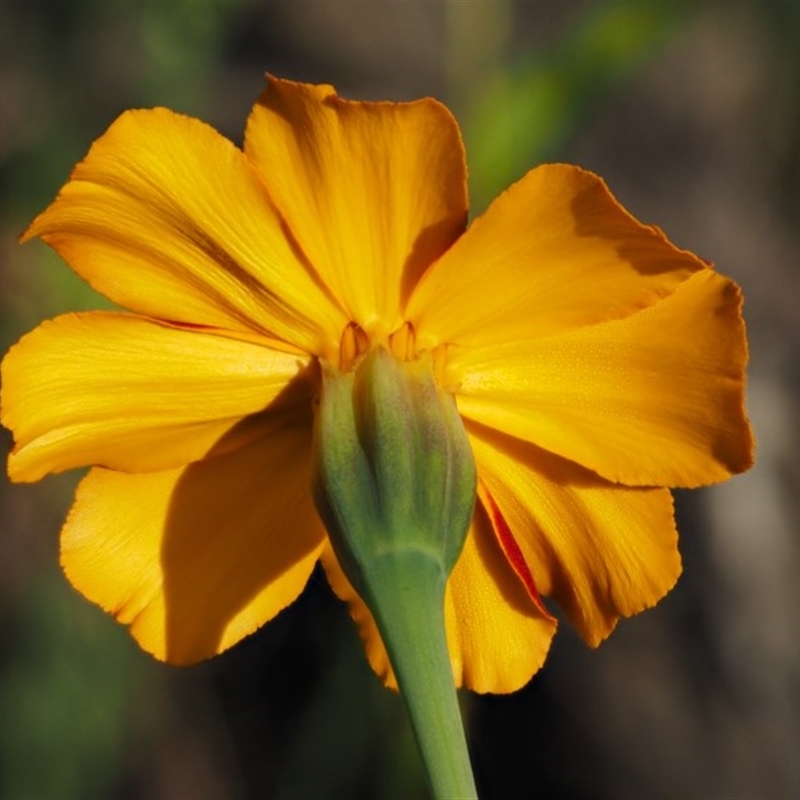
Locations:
(394, 482)
(406, 591)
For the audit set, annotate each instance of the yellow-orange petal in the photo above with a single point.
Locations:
(602, 551)
(132, 394)
(168, 218)
(497, 634)
(195, 559)
(554, 252)
(374, 192)
(655, 399)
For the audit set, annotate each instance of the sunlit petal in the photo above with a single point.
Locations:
(655, 399)
(600, 550)
(552, 253)
(374, 192)
(167, 218)
(129, 393)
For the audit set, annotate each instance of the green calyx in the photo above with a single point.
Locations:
(394, 468)
(394, 483)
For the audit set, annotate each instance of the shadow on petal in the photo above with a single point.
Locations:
(241, 535)
(432, 241)
(644, 248)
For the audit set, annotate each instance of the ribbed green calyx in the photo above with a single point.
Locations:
(394, 469)
(394, 482)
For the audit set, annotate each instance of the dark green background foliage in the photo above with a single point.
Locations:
(691, 110)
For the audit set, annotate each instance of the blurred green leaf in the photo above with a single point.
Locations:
(67, 701)
(525, 111)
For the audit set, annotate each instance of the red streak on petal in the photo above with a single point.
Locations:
(511, 549)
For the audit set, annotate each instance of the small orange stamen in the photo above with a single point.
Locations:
(354, 343)
(402, 342)
(439, 357)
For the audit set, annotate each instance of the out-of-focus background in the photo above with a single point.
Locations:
(691, 111)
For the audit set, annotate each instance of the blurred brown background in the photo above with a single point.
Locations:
(691, 111)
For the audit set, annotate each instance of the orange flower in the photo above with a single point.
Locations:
(593, 364)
